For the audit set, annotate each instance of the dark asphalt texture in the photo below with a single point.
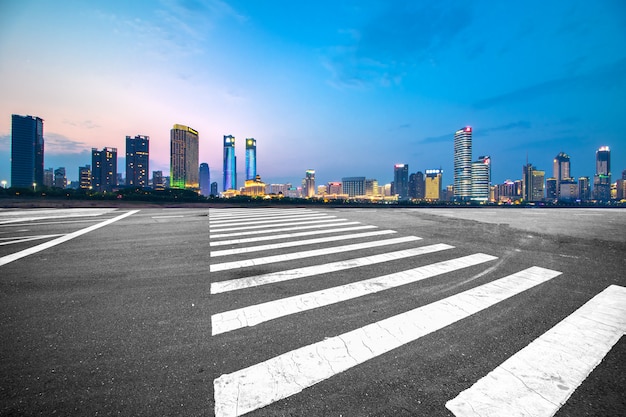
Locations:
(117, 321)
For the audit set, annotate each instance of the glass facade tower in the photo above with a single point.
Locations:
(463, 164)
(137, 161)
(401, 181)
(26, 151)
(104, 169)
(230, 164)
(602, 177)
(481, 179)
(184, 158)
(205, 179)
(250, 159)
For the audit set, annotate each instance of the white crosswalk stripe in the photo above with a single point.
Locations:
(515, 384)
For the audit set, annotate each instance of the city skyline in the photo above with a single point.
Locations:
(318, 79)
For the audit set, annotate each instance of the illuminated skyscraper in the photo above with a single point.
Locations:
(26, 151)
(184, 157)
(158, 182)
(353, 186)
(561, 170)
(433, 183)
(309, 183)
(84, 177)
(137, 161)
(463, 164)
(532, 183)
(230, 164)
(401, 181)
(250, 159)
(371, 187)
(602, 178)
(104, 169)
(481, 179)
(205, 179)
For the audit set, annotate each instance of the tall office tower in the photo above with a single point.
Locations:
(213, 188)
(137, 161)
(561, 170)
(621, 187)
(48, 177)
(551, 191)
(481, 179)
(309, 184)
(532, 183)
(104, 169)
(584, 192)
(250, 159)
(230, 164)
(417, 185)
(184, 157)
(205, 179)
(401, 180)
(60, 179)
(463, 164)
(353, 186)
(84, 177)
(371, 187)
(602, 178)
(158, 182)
(433, 182)
(26, 151)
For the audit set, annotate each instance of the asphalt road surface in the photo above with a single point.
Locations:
(313, 312)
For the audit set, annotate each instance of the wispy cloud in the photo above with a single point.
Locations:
(5, 142)
(403, 35)
(603, 77)
(84, 124)
(55, 143)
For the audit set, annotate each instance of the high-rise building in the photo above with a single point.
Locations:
(551, 192)
(213, 188)
(230, 164)
(353, 186)
(137, 161)
(26, 151)
(333, 188)
(184, 158)
(602, 177)
(205, 179)
(561, 170)
(158, 181)
(532, 183)
(584, 193)
(309, 184)
(250, 159)
(481, 179)
(371, 187)
(417, 185)
(84, 177)
(463, 164)
(104, 169)
(48, 177)
(60, 179)
(401, 181)
(433, 184)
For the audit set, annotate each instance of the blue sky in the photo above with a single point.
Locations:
(348, 88)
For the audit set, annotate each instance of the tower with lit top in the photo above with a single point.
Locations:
(463, 164)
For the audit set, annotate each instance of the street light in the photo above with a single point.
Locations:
(4, 183)
(35, 187)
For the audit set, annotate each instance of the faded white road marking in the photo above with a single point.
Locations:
(322, 224)
(308, 254)
(249, 249)
(540, 378)
(324, 219)
(266, 220)
(289, 235)
(174, 216)
(255, 213)
(21, 239)
(262, 384)
(260, 313)
(15, 256)
(254, 281)
(20, 216)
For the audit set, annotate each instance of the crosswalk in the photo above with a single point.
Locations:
(248, 238)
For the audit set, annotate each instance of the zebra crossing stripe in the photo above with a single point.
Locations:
(260, 313)
(254, 213)
(289, 235)
(322, 224)
(266, 220)
(324, 219)
(291, 244)
(540, 378)
(262, 384)
(308, 254)
(270, 278)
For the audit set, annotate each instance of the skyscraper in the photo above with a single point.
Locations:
(353, 186)
(137, 161)
(60, 179)
(84, 177)
(433, 183)
(184, 157)
(463, 164)
(250, 159)
(532, 183)
(583, 189)
(158, 182)
(309, 183)
(602, 177)
(26, 151)
(481, 179)
(205, 179)
(417, 185)
(230, 164)
(104, 171)
(401, 181)
(561, 170)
